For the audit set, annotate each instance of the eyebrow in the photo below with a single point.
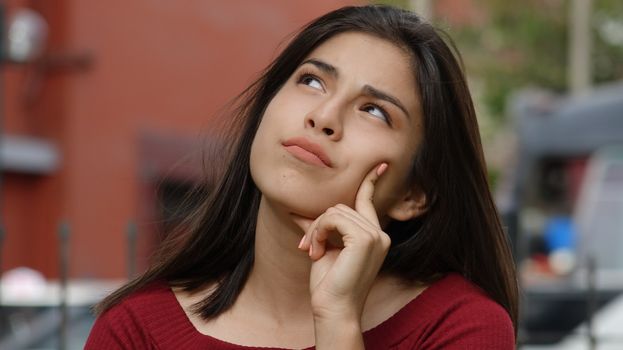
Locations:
(376, 93)
(323, 66)
(367, 89)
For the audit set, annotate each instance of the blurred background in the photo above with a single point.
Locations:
(106, 106)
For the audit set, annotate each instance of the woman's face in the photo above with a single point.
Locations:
(351, 105)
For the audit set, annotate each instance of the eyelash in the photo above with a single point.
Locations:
(303, 75)
(388, 119)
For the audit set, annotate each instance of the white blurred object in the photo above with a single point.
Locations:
(27, 34)
(562, 261)
(19, 292)
(29, 155)
(23, 283)
(599, 214)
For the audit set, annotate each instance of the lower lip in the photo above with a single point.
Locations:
(305, 156)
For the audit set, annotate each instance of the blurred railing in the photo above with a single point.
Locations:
(30, 318)
(27, 321)
(601, 330)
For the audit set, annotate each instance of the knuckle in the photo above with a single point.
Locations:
(331, 210)
(341, 206)
(367, 240)
(331, 217)
(386, 241)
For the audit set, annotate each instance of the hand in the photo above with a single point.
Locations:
(342, 277)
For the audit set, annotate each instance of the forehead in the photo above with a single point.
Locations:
(352, 45)
(367, 59)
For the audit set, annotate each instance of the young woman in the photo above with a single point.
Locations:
(354, 213)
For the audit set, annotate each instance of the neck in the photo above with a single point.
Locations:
(278, 284)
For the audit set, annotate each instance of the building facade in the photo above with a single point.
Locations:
(123, 91)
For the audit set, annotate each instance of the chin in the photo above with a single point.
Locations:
(304, 201)
(300, 198)
(292, 190)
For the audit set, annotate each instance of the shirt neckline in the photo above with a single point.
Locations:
(391, 325)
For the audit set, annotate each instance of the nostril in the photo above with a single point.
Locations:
(328, 131)
(312, 124)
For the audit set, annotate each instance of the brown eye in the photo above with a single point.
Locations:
(378, 112)
(311, 81)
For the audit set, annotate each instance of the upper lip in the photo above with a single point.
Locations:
(309, 146)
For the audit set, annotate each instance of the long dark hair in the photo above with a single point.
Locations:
(460, 232)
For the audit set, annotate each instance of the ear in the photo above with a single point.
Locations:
(412, 205)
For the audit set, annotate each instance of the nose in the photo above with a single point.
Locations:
(327, 119)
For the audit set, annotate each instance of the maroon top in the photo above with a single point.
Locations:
(452, 313)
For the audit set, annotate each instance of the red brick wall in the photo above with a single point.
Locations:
(159, 67)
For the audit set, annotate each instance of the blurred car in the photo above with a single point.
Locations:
(564, 191)
(606, 329)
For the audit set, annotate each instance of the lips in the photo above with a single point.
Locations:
(307, 151)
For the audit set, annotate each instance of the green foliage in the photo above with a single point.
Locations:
(525, 43)
(608, 36)
(398, 3)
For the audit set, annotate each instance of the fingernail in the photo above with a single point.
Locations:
(381, 169)
(301, 242)
(311, 249)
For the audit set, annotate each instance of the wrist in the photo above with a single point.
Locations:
(349, 321)
(336, 314)
(341, 333)
(330, 310)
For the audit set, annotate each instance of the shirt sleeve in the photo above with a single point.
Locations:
(118, 328)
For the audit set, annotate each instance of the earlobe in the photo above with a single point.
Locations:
(411, 206)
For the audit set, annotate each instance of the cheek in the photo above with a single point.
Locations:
(391, 186)
(261, 149)
(389, 189)
(267, 134)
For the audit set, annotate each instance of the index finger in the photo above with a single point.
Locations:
(365, 194)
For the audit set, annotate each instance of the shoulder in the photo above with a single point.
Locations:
(468, 318)
(454, 313)
(131, 323)
(455, 295)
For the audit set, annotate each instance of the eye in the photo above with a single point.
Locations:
(311, 81)
(378, 112)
